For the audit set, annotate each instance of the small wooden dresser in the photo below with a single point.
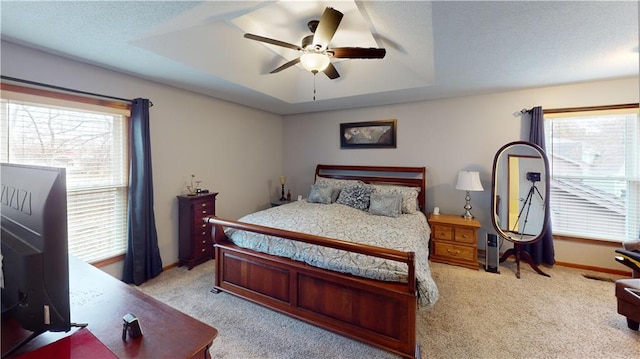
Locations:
(454, 240)
(195, 243)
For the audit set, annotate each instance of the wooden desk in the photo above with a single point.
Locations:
(101, 300)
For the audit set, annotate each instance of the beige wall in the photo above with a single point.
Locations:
(241, 152)
(447, 136)
(234, 150)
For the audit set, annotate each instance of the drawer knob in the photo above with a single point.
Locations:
(204, 205)
(204, 212)
(204, 226)
(455, 253)
(204, 233)
(203, 249)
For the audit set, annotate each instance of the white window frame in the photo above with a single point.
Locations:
(112, 226)
(631, 178)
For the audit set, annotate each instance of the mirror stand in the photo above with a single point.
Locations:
(520, 198)
(520, 253)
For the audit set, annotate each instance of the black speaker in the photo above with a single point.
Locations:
(492, 254)
(131, 326)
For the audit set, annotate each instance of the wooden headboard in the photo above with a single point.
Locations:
(390, 175)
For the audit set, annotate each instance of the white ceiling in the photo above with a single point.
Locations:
(434, 49)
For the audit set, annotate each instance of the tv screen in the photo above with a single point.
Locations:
(35, 262)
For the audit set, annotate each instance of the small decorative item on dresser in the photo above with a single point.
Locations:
(283, 180)
(195, 244)
(454, 240)
(192, 187)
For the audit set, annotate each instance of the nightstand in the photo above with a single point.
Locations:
(454, 240)
(195, 244)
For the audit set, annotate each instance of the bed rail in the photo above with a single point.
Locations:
(379, 252)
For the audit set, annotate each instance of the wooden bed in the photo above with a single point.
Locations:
(382, 314)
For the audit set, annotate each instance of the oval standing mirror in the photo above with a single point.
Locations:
(520, 187)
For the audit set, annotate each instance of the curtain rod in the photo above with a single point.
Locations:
(588, 108)
(59, 88)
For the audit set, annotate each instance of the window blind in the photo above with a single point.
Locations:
(595, 182)
(91, 143)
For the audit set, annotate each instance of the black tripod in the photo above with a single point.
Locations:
(527, 203)
(518, 244)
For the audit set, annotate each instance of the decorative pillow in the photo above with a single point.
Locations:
(335, 194)
(335, 183)
(409, 196)
(389, 205)
(356, 196)
(320, 194)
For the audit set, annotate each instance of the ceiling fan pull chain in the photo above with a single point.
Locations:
(314, 85)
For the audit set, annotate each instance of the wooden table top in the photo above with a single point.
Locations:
(101, 301)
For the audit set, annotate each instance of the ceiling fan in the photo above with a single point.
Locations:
(316, 53)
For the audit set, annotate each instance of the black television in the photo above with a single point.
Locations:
(35, 260)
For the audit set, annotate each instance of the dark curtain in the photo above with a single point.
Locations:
(142, 260)
(542, 251)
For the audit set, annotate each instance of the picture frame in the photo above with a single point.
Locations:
(371, 134)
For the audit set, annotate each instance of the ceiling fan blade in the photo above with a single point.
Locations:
(331, 72)
(272, 41)
(286, 65)
(358, 52)
(327, 27)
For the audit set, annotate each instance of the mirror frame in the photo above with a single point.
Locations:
(494, 202)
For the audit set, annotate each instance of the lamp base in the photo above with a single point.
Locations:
(467, 207)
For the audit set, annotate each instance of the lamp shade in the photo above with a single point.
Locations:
(314, 62)
(469, 181)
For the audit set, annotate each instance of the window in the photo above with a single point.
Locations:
(90, 141)
(594, 160)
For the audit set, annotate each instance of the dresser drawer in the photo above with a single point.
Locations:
(195, 244)
(201, 248)
(203, 209)
(442, 232)
(465, 235)
(454, 252)
(199, 227)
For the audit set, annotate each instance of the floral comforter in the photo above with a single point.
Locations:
(409, 232)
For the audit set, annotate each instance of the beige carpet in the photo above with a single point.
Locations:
(479, 315)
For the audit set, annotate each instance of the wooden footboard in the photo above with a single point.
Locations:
(379, 313)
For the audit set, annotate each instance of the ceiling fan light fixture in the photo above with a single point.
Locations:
(314, 61)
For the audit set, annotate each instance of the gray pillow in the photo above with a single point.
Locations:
(389, 205)
(409, 196)
(356, 196)
(320, 194)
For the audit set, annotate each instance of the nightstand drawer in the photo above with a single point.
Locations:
(454, 252)
(454, 240)
(443, 232)
(465, 235)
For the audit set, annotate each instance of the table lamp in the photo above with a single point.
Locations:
(468, 181)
